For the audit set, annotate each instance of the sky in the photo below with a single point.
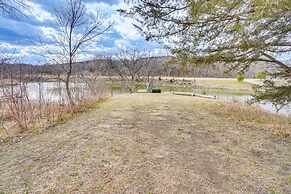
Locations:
(20, 36)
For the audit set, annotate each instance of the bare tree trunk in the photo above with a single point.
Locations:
(68, 89)
(131, 87)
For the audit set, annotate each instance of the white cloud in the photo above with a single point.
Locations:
(15, 52)
(96, 7)
(37, 11)
(47, 31)
(7, 46)
(120, 5)
(122, 25)
(34, 53)
(122, 43)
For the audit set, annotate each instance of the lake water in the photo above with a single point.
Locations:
(50, 91)
(285, 111)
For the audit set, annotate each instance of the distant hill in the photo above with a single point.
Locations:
(165, 69)
(176, 70)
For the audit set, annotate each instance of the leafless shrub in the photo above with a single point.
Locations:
(15, 93)
(2, 115)
(38, 105)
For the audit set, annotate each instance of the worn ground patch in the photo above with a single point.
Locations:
(147, 143)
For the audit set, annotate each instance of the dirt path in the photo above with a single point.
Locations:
(146, 143)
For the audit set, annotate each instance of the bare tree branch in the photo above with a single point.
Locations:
(13, 7)
(75, 29)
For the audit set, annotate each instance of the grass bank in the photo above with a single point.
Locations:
(224, 83)
(203, 89)
(254, 117)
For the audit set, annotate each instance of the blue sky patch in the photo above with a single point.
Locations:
(19, 35)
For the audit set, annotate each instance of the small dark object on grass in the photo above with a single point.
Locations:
(156, 91)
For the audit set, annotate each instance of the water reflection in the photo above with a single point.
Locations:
(46, 91)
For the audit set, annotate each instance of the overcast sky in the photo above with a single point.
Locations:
(17, 36)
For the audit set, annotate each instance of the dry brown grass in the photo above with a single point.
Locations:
(255, 117)
(147, 143)
(36, 117)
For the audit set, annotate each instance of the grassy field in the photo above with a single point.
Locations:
(150, 143)
(224, 83)
(215, 82)
(206, 86)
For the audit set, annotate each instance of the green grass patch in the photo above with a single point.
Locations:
(223, 92)
(116, 88)
(175, 89)
(224, 83)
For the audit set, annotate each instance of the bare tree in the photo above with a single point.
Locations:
(152, 68)
(127, 63)
(75, 30)
(5, 57)
(12, 7)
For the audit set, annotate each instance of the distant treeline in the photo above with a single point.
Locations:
(100, 67)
